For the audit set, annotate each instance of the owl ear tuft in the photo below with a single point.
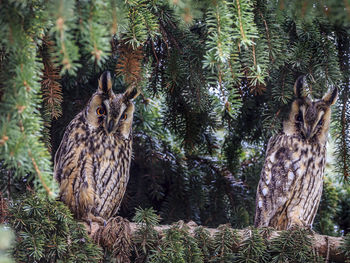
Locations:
(105, 83)
(331, 97)
(299, 87)
(131, 93)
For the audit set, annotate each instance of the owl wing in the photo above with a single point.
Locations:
(73, 170)
(58, 158)
(277, 181)
(64, 152)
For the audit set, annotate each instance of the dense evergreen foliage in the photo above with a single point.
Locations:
(47, 232)
(216, 79)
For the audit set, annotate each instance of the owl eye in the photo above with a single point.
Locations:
(100, 111)
(299, 117)
(320, 122)
(124, 116)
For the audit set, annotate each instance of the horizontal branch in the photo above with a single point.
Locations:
(327, 246)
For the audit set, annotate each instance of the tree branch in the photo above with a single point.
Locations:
(327, 246)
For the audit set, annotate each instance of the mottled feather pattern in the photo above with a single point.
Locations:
(291, 181)
(93, 160)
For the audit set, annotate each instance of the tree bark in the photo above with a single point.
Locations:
(327, 246)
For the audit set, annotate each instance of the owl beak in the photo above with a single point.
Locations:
(110, 126)
(308, 132)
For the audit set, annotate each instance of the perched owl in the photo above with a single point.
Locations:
(93, 160)
(291, 180)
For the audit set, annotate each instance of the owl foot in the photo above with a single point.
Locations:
(100, 220)
(90, 219)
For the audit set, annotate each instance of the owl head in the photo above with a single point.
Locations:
(310, 119)
(109, 112)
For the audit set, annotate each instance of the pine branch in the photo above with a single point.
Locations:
(20, 121)
(129, 64)
(36, 168)
(326, 246)
(117, 12)
(342, 140)
(50, 87)
(344, 146)
(46, 232)
(66, 50)
(230, 181)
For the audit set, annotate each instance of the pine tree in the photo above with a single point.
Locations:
(216, 80)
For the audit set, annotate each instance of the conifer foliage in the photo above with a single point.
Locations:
(47, 232)
(216, 80)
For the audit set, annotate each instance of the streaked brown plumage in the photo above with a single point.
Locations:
(291, 180)
(93, 160)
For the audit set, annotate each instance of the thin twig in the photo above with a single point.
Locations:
(240, 19)
(39, 174)
(254, 57)
(267, 36)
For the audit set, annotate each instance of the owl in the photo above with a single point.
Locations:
(92, 162)
(291, 180)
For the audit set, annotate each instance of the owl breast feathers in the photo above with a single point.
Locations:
(93, 160)
(291, 181)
